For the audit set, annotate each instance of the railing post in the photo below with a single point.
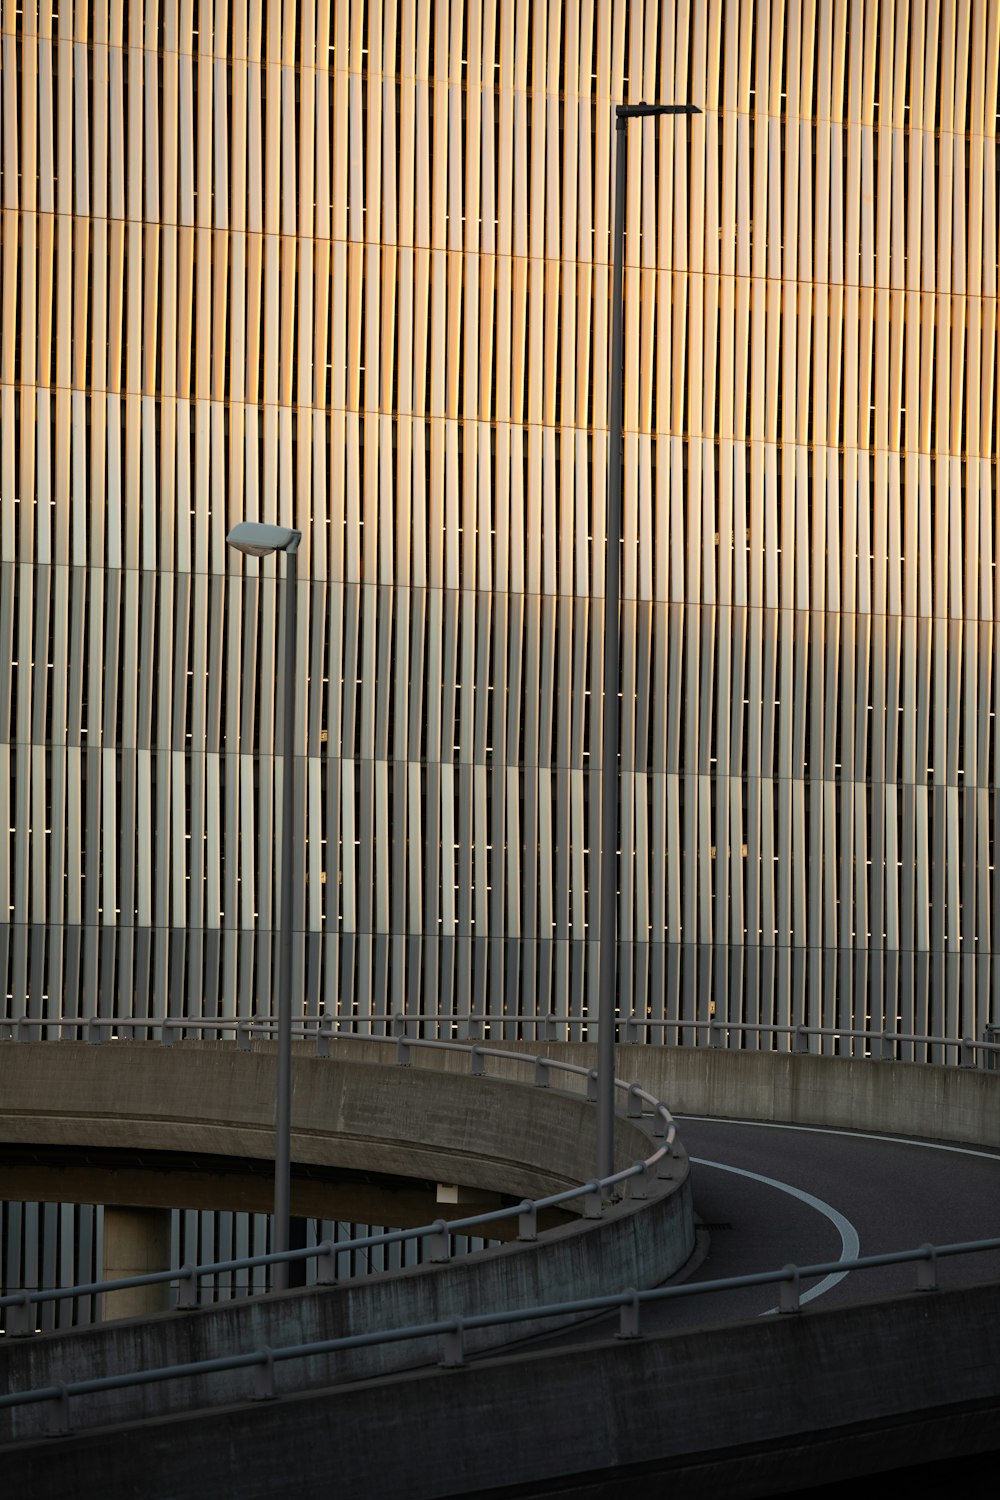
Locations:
(541, 1072)
(439, 1243)
(476, 1028)
(966, 1053)
(717, 1034)
(402, 1050)
(243, 1036)
(633, 1106)
(326, 1263)
(477, 1062)
(263, 1375)
(592, 1086)
(628, 1316)
(927, 1270)
(322, 1042)
(631, 1032)
(187, 1288)
(18, 1318)
(637, 1187)
(887, 1047)
(790, 1302)
(665, 1165)
(59, 1423)
(453, 1345)
(800, 1039)
(593, 1202)
(527, 1221)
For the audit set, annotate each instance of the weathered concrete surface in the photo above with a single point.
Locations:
(635, 1244)
(506, 1136)
(894, 1098)
(163, 1088)
(213, 1099)
(773, 1405)
(899, 1099)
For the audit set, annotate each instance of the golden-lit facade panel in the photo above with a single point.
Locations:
(344, 265)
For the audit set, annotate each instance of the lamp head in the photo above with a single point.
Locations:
(645, 111)
(255, 539)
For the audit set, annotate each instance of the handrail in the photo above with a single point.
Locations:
(452, 1329)
(438, 1233)
(95, 1028)
(886, 1041)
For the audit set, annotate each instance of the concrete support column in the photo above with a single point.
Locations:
(136, 1241)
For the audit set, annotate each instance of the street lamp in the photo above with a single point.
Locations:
(254, 539)
(612, 654)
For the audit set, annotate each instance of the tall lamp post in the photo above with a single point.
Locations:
(612, 653)
(254, 539)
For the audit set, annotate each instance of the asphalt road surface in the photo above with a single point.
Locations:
(770, 1195)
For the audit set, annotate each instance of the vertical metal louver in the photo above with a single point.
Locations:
(345, 267)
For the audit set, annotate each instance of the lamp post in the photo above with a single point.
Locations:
(254, 539)
(612, 654)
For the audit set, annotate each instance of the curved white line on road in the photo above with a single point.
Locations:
(850, 1245)
(857, 1135)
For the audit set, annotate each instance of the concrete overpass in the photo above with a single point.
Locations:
(843, 1391)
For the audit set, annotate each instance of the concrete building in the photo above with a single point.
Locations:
(346, 266)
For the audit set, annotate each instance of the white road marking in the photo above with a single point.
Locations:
(850, 1244)
(857, 1135)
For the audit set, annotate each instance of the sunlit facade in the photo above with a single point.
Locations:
(346, 266)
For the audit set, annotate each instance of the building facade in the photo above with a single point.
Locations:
(344, 265)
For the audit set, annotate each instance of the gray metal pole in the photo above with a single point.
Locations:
(283, 1102)
(609, 743)
(610, 781)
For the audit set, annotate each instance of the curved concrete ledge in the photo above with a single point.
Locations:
(509, 1137)
(893, 1098)
(771, 1406)
(860, 1352)
(212, 1099)
(921, 1100)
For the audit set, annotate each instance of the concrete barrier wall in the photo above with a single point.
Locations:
(339, 1108)
(636, 1245)
(894, 1098)
(161, 1091)
(213, 1099)
(898, 1098)
(773, 1405)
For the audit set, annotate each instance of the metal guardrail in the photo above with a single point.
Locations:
(884, 1044)
(18, 1305)
(452, 1330)
(100, 1029)
(881, 1045)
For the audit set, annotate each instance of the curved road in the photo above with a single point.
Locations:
(767, 1195)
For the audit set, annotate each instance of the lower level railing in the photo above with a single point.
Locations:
(451, 1331)
(19, 1308)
